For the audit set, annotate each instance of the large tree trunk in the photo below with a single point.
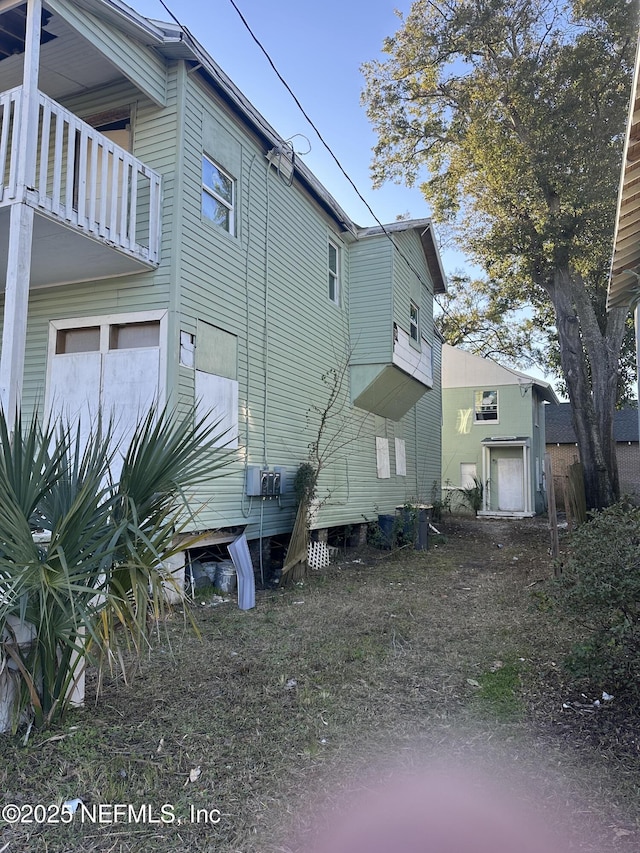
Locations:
(589, 361)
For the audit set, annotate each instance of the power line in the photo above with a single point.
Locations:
(324, 142)
(308, 118)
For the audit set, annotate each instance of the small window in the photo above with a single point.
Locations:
(334, 273)
(134, 335)
(78, 340)
(218, 196)
(468, 475)
(486, 406)
(414, 322)
(187, 349)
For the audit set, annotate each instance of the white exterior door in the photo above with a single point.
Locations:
(510, 485)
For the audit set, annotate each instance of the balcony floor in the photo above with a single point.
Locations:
(62, 255)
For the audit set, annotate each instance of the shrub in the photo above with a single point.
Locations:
(100, 576)
(472, 496)
(600, 585)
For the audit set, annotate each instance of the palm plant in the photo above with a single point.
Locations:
(473, 495)
(102, 568)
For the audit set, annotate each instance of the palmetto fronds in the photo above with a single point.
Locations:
(102, 566)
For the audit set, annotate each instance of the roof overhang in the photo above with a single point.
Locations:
(624, 284)
(424, 230)
(506, 441)
(179, 44)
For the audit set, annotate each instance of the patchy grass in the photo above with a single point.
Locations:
(384, 657)
(499, 693)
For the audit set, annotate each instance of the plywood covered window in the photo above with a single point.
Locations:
(216, 383)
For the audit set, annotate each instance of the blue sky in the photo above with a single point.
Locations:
(318, 47)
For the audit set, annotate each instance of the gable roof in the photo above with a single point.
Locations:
(174, 42)
(624, 284)
(559, 426)
(424, 229)
(462, 369)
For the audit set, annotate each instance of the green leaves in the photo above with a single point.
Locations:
(511, 115)
(600, 587)
(102, 566)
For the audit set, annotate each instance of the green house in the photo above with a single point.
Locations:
(493, 431)
(159, 241)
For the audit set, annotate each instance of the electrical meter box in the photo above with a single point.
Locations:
(264, 482)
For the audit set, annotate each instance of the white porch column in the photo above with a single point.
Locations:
(14, 332)
(486, 478)
(526, 472)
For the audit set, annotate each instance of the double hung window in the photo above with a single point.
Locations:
(218, 196)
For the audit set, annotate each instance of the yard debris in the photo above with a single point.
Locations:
(160, 745)
(588, 706)
(194, 775)
(291, 683)
(474, 683)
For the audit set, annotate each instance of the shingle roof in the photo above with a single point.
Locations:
(559, 428)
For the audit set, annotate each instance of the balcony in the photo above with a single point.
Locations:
(416, 361)
(391, 389)
(97, 206)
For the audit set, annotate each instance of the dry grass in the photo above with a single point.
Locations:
(382, 659)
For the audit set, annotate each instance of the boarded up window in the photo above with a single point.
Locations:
(216, 351)
(467, 475)
(217, 406)
(216, 381)
(110, 368)
(134, 335)
(382, 458)
(401, 458)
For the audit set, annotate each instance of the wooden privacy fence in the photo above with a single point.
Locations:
(575, 504)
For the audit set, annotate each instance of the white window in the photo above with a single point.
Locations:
(218, 196)
(486, 406)
(414, 322)
(334, 273)
(468, 474)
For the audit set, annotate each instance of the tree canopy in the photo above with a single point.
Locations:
(510, 114)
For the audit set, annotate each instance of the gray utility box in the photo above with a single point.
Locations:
(265, 482)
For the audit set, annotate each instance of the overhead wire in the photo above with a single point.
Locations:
(324, 142)
(326, 145)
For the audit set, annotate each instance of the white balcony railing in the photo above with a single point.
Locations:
(82, 178)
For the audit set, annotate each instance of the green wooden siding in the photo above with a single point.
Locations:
(462, 436)
(268, 287)
(139, 63)
(371, 301)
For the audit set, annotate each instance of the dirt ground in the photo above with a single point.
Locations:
(381, 665)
